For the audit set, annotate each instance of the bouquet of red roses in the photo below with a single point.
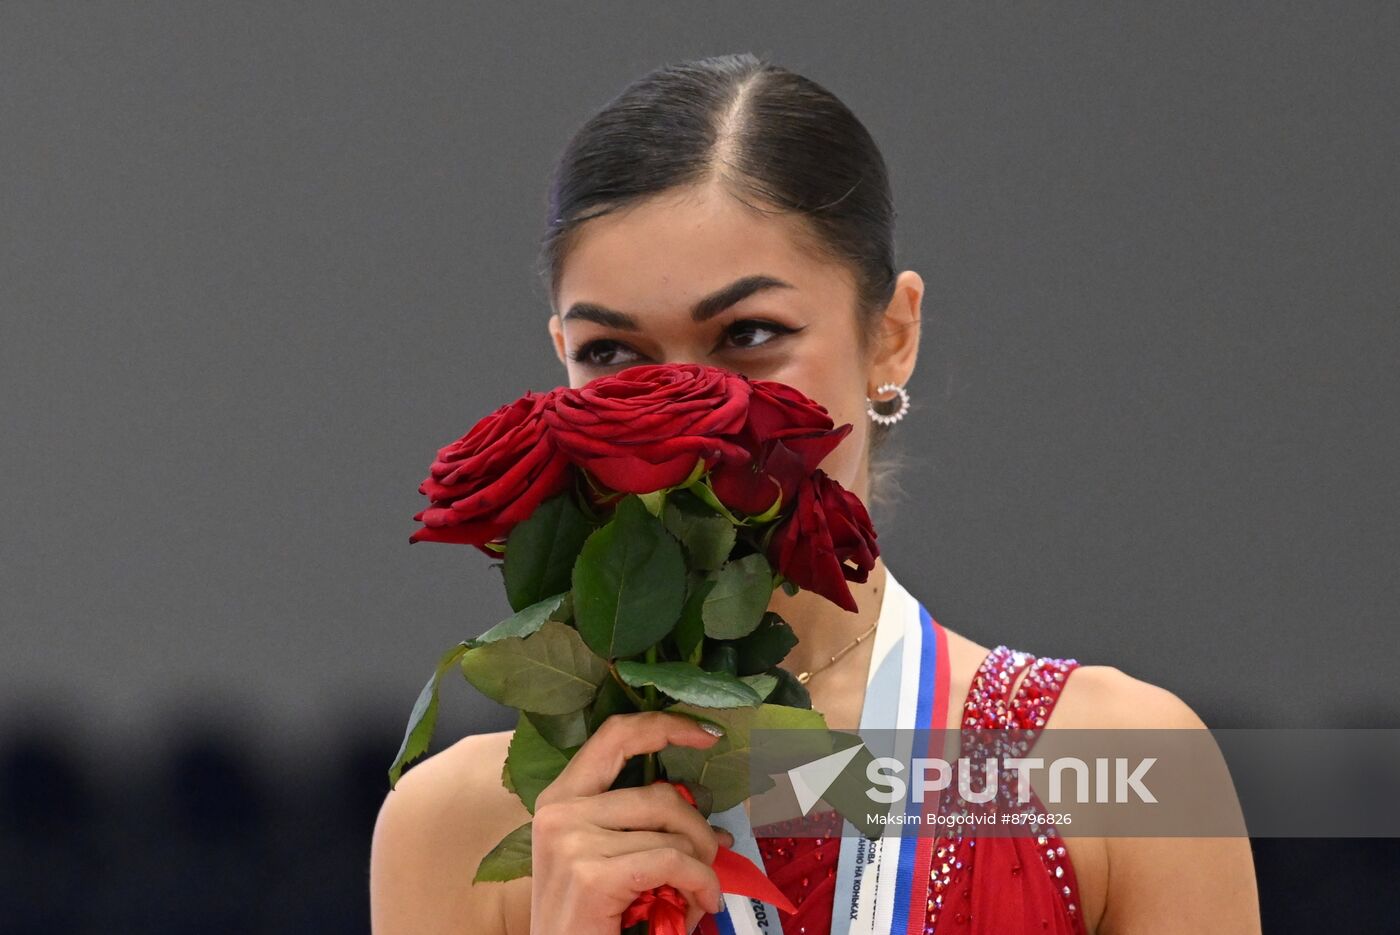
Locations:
(643, 522)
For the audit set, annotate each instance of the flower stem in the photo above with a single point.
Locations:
(649, 766)
(627, 690)
(651, 689)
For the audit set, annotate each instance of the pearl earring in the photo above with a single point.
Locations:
(888, 418)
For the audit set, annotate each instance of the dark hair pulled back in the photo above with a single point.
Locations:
(777, 140)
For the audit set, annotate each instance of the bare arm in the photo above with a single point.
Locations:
(1162, 885)
(433, 829)
(593, 848)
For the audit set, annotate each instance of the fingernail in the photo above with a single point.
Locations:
(714, 730)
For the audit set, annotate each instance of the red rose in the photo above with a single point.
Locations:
(493, 477)
(827, 541)
(644, 428)
(788, 436)
(780, 411)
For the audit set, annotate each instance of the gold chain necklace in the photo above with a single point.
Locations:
(804, 677)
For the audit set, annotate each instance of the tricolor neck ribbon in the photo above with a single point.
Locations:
(881, 885)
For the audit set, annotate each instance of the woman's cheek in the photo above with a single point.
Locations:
(844, 465)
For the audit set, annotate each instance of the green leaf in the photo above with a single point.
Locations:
(849, 793)
(685, 498)
(724, 767)
(611, 700)
(707, 538)
(790, 691)
(506, 780)
(735, 605)
(763, 684)
(704, 799)
(423, 718)
(690, 683)
(527, 621)
(628, 583)
(654, 501)
(548, 672)
(540, 552)
(508, 860)
(766, 646)
(690, 631)
(563, 731)
(706, 495)
(720, 656)
(532, 763)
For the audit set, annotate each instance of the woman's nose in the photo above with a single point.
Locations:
(684, 354)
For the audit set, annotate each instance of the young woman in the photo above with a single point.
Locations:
(732, 213)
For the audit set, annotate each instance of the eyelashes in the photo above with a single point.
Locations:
(742, 335)
(592, 354)
(746, 328)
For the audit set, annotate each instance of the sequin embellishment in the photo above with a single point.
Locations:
(991, 707)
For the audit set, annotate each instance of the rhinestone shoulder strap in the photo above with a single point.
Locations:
(991, 705)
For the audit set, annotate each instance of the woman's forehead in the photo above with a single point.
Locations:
(670, 251)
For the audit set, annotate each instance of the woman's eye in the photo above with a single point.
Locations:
(604, 354)
(753, 333)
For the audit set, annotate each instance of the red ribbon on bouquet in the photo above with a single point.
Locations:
(663, 907)
(741, 876)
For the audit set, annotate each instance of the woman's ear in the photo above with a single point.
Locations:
(556, 335)
(897, 335)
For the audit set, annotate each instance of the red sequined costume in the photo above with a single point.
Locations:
(991, 885)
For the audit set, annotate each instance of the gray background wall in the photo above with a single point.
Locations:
(257, 261)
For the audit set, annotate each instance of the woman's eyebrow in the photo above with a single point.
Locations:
(587, 311)
(738, 290)
(707, 308)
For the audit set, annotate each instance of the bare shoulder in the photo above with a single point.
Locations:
(1164, 885)
(434, 827)
(1105, 697)
(1157, 886)
(1093, 696)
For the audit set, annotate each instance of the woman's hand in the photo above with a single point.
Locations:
(594, 850)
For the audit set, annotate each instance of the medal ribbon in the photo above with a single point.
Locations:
(881, 885)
